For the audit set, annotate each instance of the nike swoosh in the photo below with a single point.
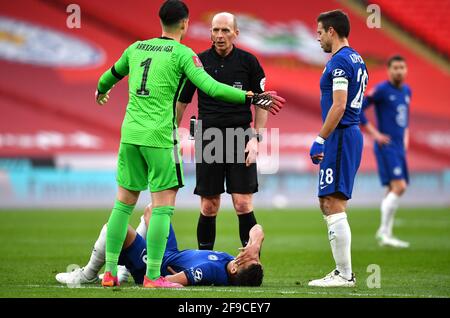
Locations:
(321, 188)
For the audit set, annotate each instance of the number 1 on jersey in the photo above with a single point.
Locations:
(142, 91)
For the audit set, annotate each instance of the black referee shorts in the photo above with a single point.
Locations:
(211, 176)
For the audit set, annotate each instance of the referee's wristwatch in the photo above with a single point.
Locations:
(258, 137)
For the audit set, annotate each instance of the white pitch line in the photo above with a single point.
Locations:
(230, 290)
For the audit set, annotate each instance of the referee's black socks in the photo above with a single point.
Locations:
(206, 232)
(246, 222)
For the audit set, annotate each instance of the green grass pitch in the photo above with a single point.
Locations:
(35, 245)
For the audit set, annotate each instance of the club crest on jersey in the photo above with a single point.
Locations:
(197, 61)
(338, 72)
(212, 257)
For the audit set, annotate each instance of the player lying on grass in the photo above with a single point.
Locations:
(186, 267)
(148, 157)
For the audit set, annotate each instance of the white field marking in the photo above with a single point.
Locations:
(230, 290)
(365, 294)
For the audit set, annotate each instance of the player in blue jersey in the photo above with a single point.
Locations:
(338, 147)
(391, 99)
(186, 267)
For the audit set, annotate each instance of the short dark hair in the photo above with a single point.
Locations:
(250, 276)
(337, 19)
(172, 12)
(395, 58)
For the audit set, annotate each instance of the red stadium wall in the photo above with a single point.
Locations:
(50, 110)
(415, 17)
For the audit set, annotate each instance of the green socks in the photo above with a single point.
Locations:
(116, 233)
(157, 234)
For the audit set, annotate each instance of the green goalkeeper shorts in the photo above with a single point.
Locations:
(142, 167)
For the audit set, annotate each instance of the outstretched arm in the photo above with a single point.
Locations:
(110, 78)
(194, 71)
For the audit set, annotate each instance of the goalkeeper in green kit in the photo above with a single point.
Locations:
(148, 155)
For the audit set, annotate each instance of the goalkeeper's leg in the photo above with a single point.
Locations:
(165, 177)
(116, 232)
(163, 203)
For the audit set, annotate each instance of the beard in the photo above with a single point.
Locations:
(326, 48)
(398, 80)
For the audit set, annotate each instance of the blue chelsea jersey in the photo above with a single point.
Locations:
(345, 70)
(391, 109)
(202, 267)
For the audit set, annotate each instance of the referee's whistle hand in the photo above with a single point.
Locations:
(252, 151)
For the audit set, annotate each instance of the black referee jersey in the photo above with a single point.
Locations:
(239, 69)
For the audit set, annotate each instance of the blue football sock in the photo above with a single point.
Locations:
(133, 258)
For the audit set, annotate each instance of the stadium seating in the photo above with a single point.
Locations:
(424, 19)
(60, 99)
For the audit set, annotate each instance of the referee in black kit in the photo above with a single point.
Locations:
(233, 66)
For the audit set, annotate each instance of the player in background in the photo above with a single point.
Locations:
(148, 155)
(338, 147)
(233, 66)
(391, 99)
(186, 267)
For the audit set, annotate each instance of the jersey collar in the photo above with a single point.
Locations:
(399, 88)
(345, 46)
(165, 38)
(213, 49)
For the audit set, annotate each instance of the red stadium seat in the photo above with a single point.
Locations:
(425, 19)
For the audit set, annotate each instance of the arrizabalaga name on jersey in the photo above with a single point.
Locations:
(155, 48)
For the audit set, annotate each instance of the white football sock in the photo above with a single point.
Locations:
(142, 228)
(97, 259)
(389, 206)
(340, 238)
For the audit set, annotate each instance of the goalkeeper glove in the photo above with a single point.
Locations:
(269, 101)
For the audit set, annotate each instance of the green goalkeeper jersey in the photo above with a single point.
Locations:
(157, 69)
